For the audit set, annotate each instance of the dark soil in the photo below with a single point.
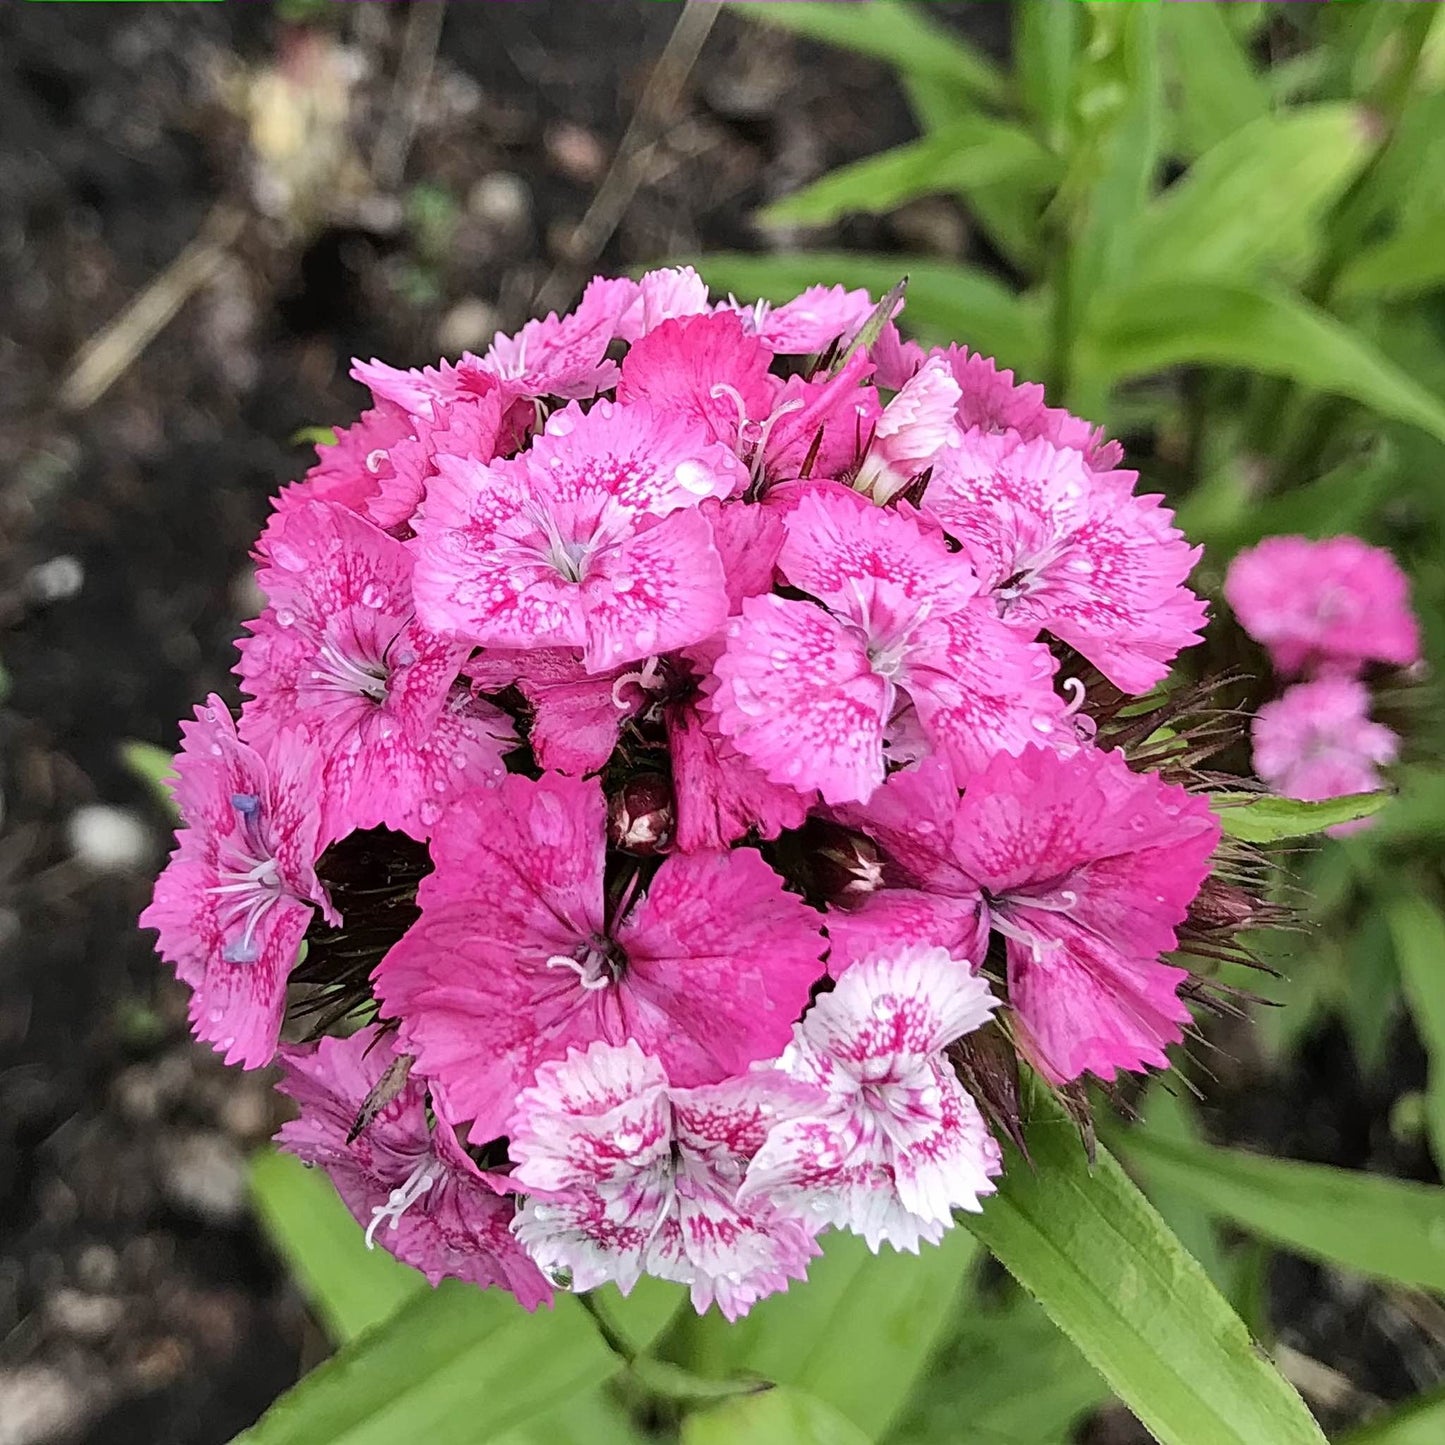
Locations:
(138, 1302)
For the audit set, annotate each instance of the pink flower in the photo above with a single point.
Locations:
(1329, 606)
(356, 469)
(591, 539)
(556, 356)
(411, 1184)
(1071, 550)
(809, 323)
(663, 295)
(914, 428)
(808, 692)
(897, 1144)
(1316, 741)
(704, 370)
(1086, 869)
(240, 889)
(894, 359)
(518, 955)
(992, 402)
(637, 1177)
(339, 648)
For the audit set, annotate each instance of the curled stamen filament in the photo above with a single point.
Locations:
(590, 980)
(1075, 688)
(403, 1197)
(647, 677)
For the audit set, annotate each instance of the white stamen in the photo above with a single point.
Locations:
(403, 1197)
(584, 968)
(1075, 688)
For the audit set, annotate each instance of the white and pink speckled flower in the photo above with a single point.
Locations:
(634, 1176)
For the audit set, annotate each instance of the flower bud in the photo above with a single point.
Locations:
(640, 815)
(846, 867)
(1221, 906)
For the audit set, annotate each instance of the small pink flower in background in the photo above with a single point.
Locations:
(1086, 868)
(358, 466)
(1073, 551)
(1330, 606)
(517, 957)
(895, 1144)
(240, 888)
(809, 691)
(590, 539)
(339, 649)
(635, 1176)
(1316, 741)
(409, 1183)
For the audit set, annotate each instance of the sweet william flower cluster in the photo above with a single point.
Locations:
(673, 790)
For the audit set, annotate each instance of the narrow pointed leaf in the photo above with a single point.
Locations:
(1149, 328)
(903, 35)
(973, 152)
(1263, 818)
(782, 1416)
(1418, 930)
(1389, 1228)
(1218, 90)
(858, 1335)
(454, 1366)
(1106, 1269)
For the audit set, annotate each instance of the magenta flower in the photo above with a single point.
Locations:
(809, 691)
(339, 648)
(637, 1177)
(357, 469)
(240, 888)
(1316, 741)
(1086, 869)
(895, 1144)
(518, 957)
(1329, 606)
(591, 539)
(410, 1183)
(667, 294)
(1070, 550)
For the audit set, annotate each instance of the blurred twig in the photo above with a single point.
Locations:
(403, 113)
(619, 185)
(107, 355)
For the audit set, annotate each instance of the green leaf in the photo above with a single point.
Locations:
(316, 436)
(1418, 930)
(1389, 1228)
(454, 1366)
(903, 35)
(1150, 328)
(1407, 263)
(350, 1287)
(858, 1335)
(1096, 1255)
(779, 1417)
(155, 767)
(945, 302)
(591, 1418)
(972, 152)
(1257, 196)
(1419, 1422)
(1262, 818)
(1216, 89)
(1011, 1373)
(1046, 41)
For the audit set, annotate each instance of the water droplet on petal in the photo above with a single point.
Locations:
(693, 477)
(429, 812)
(285, 617)
(624, 583)
(1043, 725)
(372, 595)
(374, 459)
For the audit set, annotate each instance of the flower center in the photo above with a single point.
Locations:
(341, 673)
(597, 962)
(1010, 916)
(250, 882)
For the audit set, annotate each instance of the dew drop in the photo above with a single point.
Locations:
(693, 477)
(459, 760)
(374, 459)
(285, 617)
(1043, 725)
(440, 785)
(283, 554)
(372, 595)
(429, 812)
(1082, 565)
(624, 583)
